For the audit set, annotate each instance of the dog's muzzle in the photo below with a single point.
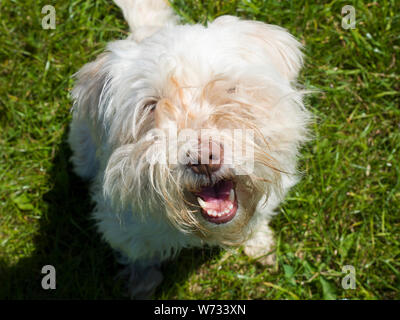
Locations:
(218, 202)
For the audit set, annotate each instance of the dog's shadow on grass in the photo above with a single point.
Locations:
(67, 239)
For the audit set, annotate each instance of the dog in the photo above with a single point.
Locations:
(158, 182)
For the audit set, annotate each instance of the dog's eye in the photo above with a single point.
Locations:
(231, 90)
(150, 105)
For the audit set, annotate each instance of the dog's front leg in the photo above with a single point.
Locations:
(143, 277)
(260, 246)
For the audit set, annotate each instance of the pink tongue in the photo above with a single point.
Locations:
(218, 192)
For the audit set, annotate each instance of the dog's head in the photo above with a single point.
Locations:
(202, 124)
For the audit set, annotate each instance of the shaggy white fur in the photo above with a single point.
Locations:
(166, 79)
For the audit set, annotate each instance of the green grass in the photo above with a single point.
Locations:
(345, 211)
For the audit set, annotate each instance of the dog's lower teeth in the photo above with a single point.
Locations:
(224, 207)
(215, 214)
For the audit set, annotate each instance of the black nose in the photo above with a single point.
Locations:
(209, 160)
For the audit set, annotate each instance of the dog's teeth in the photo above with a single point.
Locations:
(212, 213)
(232, 195)
(201, 202)
(227, 210)
(230, 206)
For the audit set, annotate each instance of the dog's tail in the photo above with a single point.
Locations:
(146, 16)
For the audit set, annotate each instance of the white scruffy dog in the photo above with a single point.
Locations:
(140, 110)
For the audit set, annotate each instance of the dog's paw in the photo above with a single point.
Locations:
(144, 285)
(264, 256)
(261, 248)
(142, 282)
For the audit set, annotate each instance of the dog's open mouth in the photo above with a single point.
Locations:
(218, 202)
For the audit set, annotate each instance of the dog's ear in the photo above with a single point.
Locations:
(90, 82)
(272, 42)
(145, 17)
